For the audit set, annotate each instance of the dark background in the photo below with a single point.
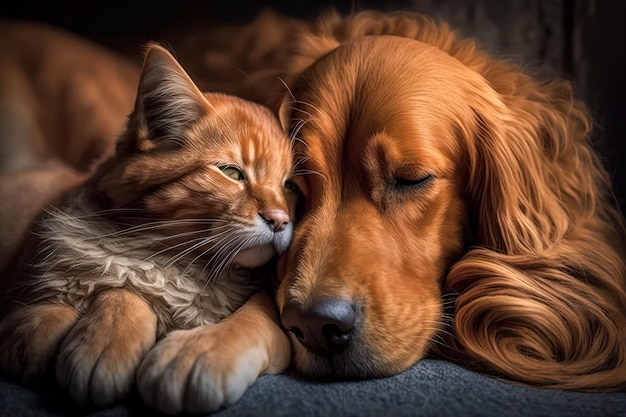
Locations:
(581, 40)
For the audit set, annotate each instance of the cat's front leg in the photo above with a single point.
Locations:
(99, 357)
(30, 337)
(208, 367)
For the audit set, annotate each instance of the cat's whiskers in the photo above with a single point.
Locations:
(293, 98)
(299, 162)
(189, 233)
(220, 268)
(224, 245)
(172, 223)
(220, 262)
(317, 109)
(169, 248)
(298, 119)
(202, 241)
(297, 170)
(151, 226)
(225, 261)
(308, 171)
(295, 131)
(187, 220)
(182, 254)
(214, 269)
(53, 211)
(222, 239)
(306, 145)
(293, 136)
(160, 238)
(146, 235)
(300, 123)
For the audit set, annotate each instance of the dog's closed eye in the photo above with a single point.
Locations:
(406, 183)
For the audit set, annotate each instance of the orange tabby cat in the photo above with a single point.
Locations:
(163, 237)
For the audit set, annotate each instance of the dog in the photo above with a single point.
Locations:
(431, 170)
(451, 206)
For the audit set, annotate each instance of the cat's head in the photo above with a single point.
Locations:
(202, 162)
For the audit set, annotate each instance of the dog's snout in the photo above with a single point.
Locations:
(325, 327)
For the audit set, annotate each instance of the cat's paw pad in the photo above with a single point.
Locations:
(30, 338)
(195, 371)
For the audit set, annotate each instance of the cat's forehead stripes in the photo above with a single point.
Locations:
(251, 138)
(251, 151)
(263, 156)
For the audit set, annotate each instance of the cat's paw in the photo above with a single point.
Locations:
(99, 357)
(30, 338)
(198, 370)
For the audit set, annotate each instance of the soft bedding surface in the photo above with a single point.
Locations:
(431, 388)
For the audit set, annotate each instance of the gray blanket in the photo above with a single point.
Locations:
(431, 388)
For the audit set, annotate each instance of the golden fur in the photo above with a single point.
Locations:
(437, 167)
(163, 236)
(451, 199)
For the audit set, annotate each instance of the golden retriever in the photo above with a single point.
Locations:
(431, 169)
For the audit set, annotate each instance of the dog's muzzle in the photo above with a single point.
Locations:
(326, 327)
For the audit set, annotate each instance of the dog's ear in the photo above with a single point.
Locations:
(541, 294)
(533, 173)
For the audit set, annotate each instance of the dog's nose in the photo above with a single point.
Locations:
(276, 219)
(325, 327)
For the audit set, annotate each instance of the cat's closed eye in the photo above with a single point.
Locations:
(232, 172)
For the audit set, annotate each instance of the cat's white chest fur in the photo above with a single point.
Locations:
(85, 256)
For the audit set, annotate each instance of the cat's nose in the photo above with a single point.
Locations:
(276, 219)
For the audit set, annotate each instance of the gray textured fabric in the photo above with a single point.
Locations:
(431, 388)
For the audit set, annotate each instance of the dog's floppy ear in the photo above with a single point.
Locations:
(541, 294)
(534, 174)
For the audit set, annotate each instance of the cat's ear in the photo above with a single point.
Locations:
(167, 98)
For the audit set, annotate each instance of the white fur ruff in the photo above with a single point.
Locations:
(85, 255)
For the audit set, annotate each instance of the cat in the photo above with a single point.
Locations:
(165, 239)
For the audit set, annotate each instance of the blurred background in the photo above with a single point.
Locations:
(581, 40)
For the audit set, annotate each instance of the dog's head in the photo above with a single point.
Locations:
(427, 167)
(384, 172)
